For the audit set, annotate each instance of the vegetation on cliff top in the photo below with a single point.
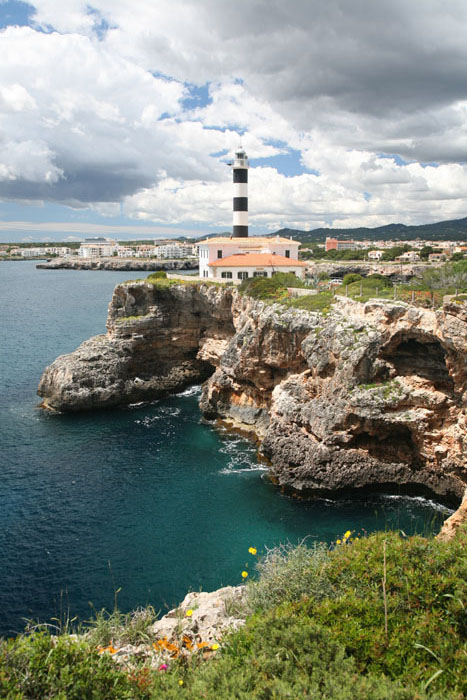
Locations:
(427, 291)
(379, 617)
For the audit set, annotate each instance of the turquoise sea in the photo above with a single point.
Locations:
(146, 499)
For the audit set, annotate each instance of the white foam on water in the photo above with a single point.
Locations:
(419, 500)
(240, 461)
(163, 413)
(191, 391)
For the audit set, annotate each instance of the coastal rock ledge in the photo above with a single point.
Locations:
(372, 394)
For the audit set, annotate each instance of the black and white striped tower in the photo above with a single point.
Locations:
(240, 201)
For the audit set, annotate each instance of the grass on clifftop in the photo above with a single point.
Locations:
(160, 279)
(418, 293)
(377, 618)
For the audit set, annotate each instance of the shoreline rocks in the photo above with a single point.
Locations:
(370, 395)
(117, 264)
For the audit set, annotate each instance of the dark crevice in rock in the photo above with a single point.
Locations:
(390, 445)
(425, 359)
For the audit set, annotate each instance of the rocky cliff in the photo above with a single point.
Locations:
(372, 394)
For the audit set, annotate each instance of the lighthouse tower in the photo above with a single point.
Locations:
(240, 201)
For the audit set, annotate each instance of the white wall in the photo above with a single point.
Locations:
(217, 271)
(208, 251)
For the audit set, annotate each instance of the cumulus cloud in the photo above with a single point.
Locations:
(94, 122)
(95, 109)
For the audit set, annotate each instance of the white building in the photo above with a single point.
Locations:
(409, 256)
(238, 257)
(241, 266)
(174, 250)
(212, 250)
(33, 252)
(97, 248)
(124, 251)
(375, 254)
(145, 251)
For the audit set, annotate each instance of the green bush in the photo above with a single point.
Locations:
(378, 280)
(318, 631)
(42, 666)
(270, 287)
(351, 277)
(160, 274)
(288, 573)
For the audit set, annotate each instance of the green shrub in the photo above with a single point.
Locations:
(378, 280)
(285, 655)
(41, 666)
(270, 287)
(160, 274)
(287, 573)
(318, 631)
(426, 587)
(351, 277)
(120, 628)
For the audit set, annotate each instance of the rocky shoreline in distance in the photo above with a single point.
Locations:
(118, 264)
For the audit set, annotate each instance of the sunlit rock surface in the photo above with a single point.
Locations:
(372, 394)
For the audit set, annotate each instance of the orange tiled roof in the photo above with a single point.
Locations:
(257, 260)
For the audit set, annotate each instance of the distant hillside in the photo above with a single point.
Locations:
(455, 230)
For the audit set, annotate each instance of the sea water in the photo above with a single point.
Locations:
(148, 501)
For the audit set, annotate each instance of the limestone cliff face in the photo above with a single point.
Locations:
(151, 348)
(372, 394)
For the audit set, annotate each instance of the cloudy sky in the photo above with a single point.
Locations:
(118, 116)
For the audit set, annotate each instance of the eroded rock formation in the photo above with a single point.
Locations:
(372, 394)
(159, 340)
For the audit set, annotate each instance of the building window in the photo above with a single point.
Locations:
(260, 274)
(287, 253)
(226, 275)
(219, 253)
(242, 275)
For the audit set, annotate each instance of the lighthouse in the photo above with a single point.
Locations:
(240, 201)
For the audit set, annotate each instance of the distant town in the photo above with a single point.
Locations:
(410, 251)
(101, 248)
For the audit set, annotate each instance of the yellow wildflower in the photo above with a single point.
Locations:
(252, 550)
(347, 535)
(189, 613)
(180, 682)
(215, 646)
(338, 541)
(244, 574)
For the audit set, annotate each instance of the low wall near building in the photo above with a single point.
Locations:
(300, 292)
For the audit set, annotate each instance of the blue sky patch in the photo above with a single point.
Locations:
(15, 13)
(288, 164)
(198, 97)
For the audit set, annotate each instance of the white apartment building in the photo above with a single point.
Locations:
(174, 250)
(32, 252)
(146, 251)
(211, 250)
(97, 248)
(125, 252)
